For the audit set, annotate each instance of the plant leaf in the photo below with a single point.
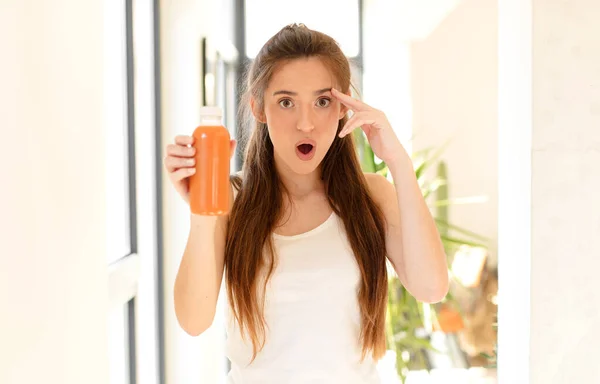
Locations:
(454, 240)
(380, 166)
(460, 201)
(432, 186)
(431, 160)
(458, 229)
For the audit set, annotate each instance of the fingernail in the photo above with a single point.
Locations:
(191, 170)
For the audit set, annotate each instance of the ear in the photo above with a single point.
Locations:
(258, 114)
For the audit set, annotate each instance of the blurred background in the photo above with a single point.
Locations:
(498, 103)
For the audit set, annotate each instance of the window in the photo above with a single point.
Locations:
(118, 345)
(132, 187)
(340, 19)
(118, 137)
(337, 18)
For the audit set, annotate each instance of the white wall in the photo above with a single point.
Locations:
(514, 190)
(183, 24)
(432, 69)
(454, 96)
(549, 209)
(53, 277)
(565, 209)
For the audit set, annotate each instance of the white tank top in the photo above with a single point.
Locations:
(312, 313)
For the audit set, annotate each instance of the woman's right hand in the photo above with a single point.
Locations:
(180, 163)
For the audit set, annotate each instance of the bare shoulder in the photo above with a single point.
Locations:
(383, 193)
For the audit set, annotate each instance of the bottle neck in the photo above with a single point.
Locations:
(210, 120)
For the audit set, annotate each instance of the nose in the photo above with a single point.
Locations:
(305, 121)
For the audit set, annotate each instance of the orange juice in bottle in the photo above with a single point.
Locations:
(209, 186)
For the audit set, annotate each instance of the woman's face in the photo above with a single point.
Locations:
(301, 114)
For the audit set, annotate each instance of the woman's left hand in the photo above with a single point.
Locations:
(374, 123)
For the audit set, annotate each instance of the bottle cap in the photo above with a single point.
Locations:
(211, 111)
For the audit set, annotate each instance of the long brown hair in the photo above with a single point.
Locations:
(259, 204)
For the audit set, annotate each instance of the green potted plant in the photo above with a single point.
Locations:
(408, 321)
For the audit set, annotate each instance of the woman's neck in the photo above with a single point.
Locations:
(300, 186)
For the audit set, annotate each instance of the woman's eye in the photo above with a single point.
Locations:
(323, 103)
(286, 103)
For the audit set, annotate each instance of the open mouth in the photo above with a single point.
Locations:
(306, 149)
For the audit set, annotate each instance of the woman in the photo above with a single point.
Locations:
(305, 245)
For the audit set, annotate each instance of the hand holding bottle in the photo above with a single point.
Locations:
(180, 163)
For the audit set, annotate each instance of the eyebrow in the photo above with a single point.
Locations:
(284, 92)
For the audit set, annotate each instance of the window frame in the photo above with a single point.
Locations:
(135, 279)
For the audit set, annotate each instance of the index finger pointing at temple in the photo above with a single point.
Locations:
(350, 102)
